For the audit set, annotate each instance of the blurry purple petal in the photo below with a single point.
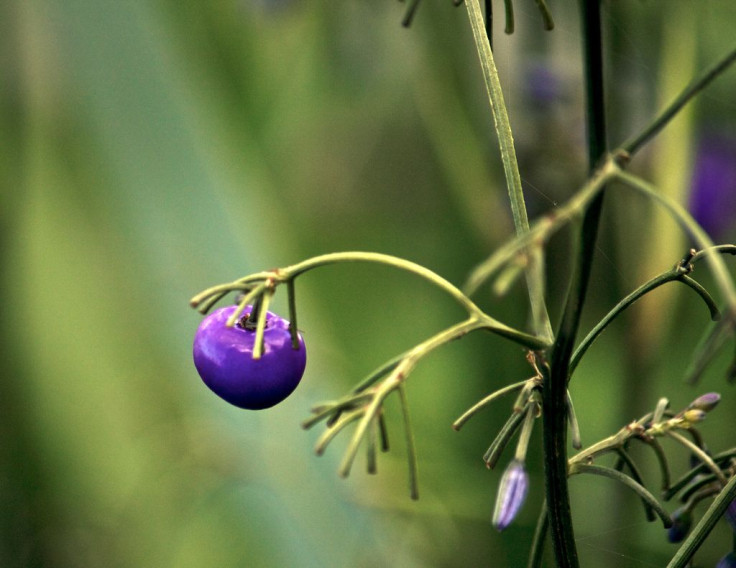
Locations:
(543, 84)
(731, 515)
(713, 197)
(728, 561)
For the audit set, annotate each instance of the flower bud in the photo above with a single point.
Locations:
(693, 416)
(706, 402)
(728, 561)
(511, 494)
(682, 520)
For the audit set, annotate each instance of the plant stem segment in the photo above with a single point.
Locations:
(705, 526)
(555, 389)
(542, 326)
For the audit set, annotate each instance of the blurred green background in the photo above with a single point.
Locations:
(151, 149)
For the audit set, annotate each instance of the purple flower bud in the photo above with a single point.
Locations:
(682, 520)
(511, 494)
(713, 197)
(706, 402)
(728, 561)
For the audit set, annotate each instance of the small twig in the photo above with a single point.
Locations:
(702, 456)
(630, 483)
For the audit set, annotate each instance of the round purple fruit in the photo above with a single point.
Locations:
(224, 359)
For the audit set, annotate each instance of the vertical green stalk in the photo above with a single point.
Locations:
(535, 282)
(554, 393)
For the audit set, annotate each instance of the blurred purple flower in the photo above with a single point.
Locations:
(731, 515)
(682, 520)
(511, 494)
(543, 85)
(713, 197)
(728, 561)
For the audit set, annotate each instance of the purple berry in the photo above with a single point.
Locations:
(224, 359)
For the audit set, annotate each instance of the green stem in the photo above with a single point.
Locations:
(664, 467)
(373, 257)
(503, 437)
(542, 228)
(675, 106)
(540, 317)
(555, 387)
(487, 400)
(293, 329)
(702, 455)
(636, 475)
(526, 433)
(696, 232)
(397, 377)
(410, 445)
(540, 534)
(630, 483)
(700, 290)
(669, 276)
(704, 526)
(486, 321)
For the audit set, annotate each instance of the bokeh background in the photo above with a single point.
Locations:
(151, 149)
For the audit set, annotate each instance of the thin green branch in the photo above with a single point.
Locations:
(328, 435)
(410, 445)
(676, 274)
(377, 258)
(702, 455)
(247, 298)
(540, 534)
(547, 20)
(709, 519)
(699, 289)
(261, 326)
(325, 410)
(542, 229)
(396, 378)
(484, 402)
(293, 329)
(696, 232)
(636, 475)
(540, 317)
(509, 9)
(526, 432)
(707, 348)
(697, 85)
(705, 485)
(572, 420)
(503, 437)
(661, 460)
(630, 483)
(490, 323)
(378, 373)
(722, 457)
